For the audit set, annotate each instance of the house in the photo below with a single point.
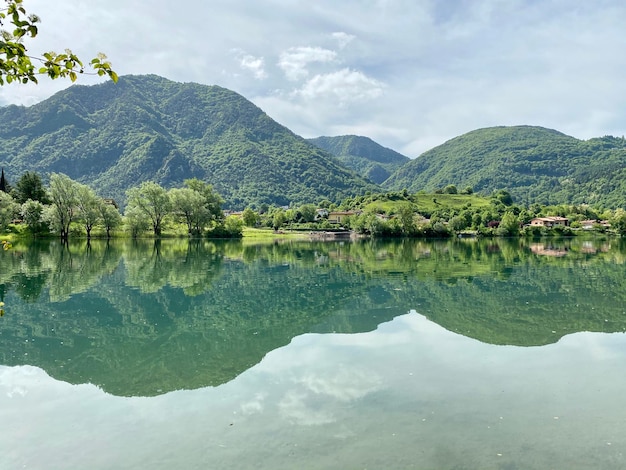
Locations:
(111, 202)
(591, 223)
(339, 217)
(321, 214)
(551, 221)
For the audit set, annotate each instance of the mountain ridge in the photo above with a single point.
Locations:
(365, 156)
(145, 127)
(536, 164)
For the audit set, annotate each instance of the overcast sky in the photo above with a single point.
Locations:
(410, 74)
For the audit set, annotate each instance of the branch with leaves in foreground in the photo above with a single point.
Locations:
(17, 66)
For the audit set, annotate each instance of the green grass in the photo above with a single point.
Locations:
(429, 203)
(260, 234)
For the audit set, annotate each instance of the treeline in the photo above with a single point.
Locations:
(446, 212)
(67, 207)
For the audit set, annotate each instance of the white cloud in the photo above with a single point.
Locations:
(295, 60)
(256, 65)
(343, 39)
(344, 86)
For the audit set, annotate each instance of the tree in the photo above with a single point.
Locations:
(308, 212)
(450, 189)
(279, 219)
(29, 186)
(405, 216)
(8, 209)
(89, 207)
(188, 207)
(136, 221)
(4, 184)
(457, 223)
(509, 225)
(110, 218)
(153, 201)
(249, 217)
(15, 63)
(64, 199)
(618, 221)
(32, 212)
(212, 200)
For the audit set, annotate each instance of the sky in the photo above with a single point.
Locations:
(410, 74)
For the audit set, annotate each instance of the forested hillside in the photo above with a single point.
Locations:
(114, 136)
(363, 155)
(535, 164)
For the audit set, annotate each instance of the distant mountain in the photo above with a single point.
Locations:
(535, 164)
(369, 159)
(114, 136)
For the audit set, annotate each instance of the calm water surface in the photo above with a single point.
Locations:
(451, 355)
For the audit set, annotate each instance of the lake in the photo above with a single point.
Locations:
(462, 354)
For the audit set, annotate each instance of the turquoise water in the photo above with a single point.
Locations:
(447, 355)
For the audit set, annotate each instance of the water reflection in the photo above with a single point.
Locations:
(408, 395)
(144, 318)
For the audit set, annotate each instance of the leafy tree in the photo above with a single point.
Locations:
(405, 216)
(233, 226)
(136, 221)
(17, 65)
(308, 212)
(153, 201)
(29, 186)
(64, 200)
(618, 221)
(8, 209)
(509, 225)
(279, 219)
(110, 218)
(457, 223)
(503, 196)
(212, 200)
(89, 207)
(32, 212)
(450, 189)
(189, 207)
(249, 217)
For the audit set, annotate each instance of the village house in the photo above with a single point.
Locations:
(589, 224)
(110, 202)
(551, 221)
(339, 217)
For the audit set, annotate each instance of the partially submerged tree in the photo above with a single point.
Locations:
(16, 65)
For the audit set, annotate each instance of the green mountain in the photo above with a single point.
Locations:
(114, 136)
(535, 164)
(369, 159)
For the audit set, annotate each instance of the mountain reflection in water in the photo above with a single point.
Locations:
(145, 318)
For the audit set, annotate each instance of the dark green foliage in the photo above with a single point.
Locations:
(363, 155)
(30, 186)
(4, 184)
(146, 128)
(533, 163)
